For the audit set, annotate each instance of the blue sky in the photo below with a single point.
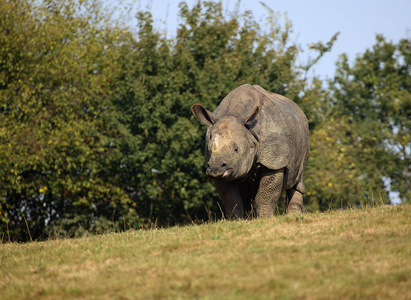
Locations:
(313, 20)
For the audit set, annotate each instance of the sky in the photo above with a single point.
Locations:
(358, 22)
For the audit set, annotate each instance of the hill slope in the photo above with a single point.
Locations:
(338, 254)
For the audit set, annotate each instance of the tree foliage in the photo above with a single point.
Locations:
(376, 95)
(97, 134)
(361, 146)
(56, 73)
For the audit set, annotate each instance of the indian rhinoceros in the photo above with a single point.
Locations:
(256, 147)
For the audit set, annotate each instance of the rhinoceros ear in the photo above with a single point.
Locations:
(203, 115)
(249, 121)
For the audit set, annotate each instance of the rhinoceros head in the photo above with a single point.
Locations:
(230, 146)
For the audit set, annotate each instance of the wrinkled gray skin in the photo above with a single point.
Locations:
(256, 147)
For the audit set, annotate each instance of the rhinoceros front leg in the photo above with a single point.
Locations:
(230, 196)
(269, 191)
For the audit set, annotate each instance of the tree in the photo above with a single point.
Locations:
(374, 97)
(56, 72)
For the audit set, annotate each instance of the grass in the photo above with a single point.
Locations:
(352, 254)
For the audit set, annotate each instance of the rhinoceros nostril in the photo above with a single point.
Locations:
(224, 165)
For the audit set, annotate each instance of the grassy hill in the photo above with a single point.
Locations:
(352, 254)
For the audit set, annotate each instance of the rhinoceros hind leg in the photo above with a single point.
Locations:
(295, 204)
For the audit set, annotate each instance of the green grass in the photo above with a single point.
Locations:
(352, 254)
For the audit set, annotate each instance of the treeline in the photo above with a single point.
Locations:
(96, 131)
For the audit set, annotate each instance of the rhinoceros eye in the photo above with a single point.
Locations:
(236, 148)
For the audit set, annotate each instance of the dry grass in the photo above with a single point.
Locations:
(358, 254)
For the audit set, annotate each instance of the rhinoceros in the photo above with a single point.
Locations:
(256, 147)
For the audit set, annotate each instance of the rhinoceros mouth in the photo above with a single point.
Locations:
(226, 175)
